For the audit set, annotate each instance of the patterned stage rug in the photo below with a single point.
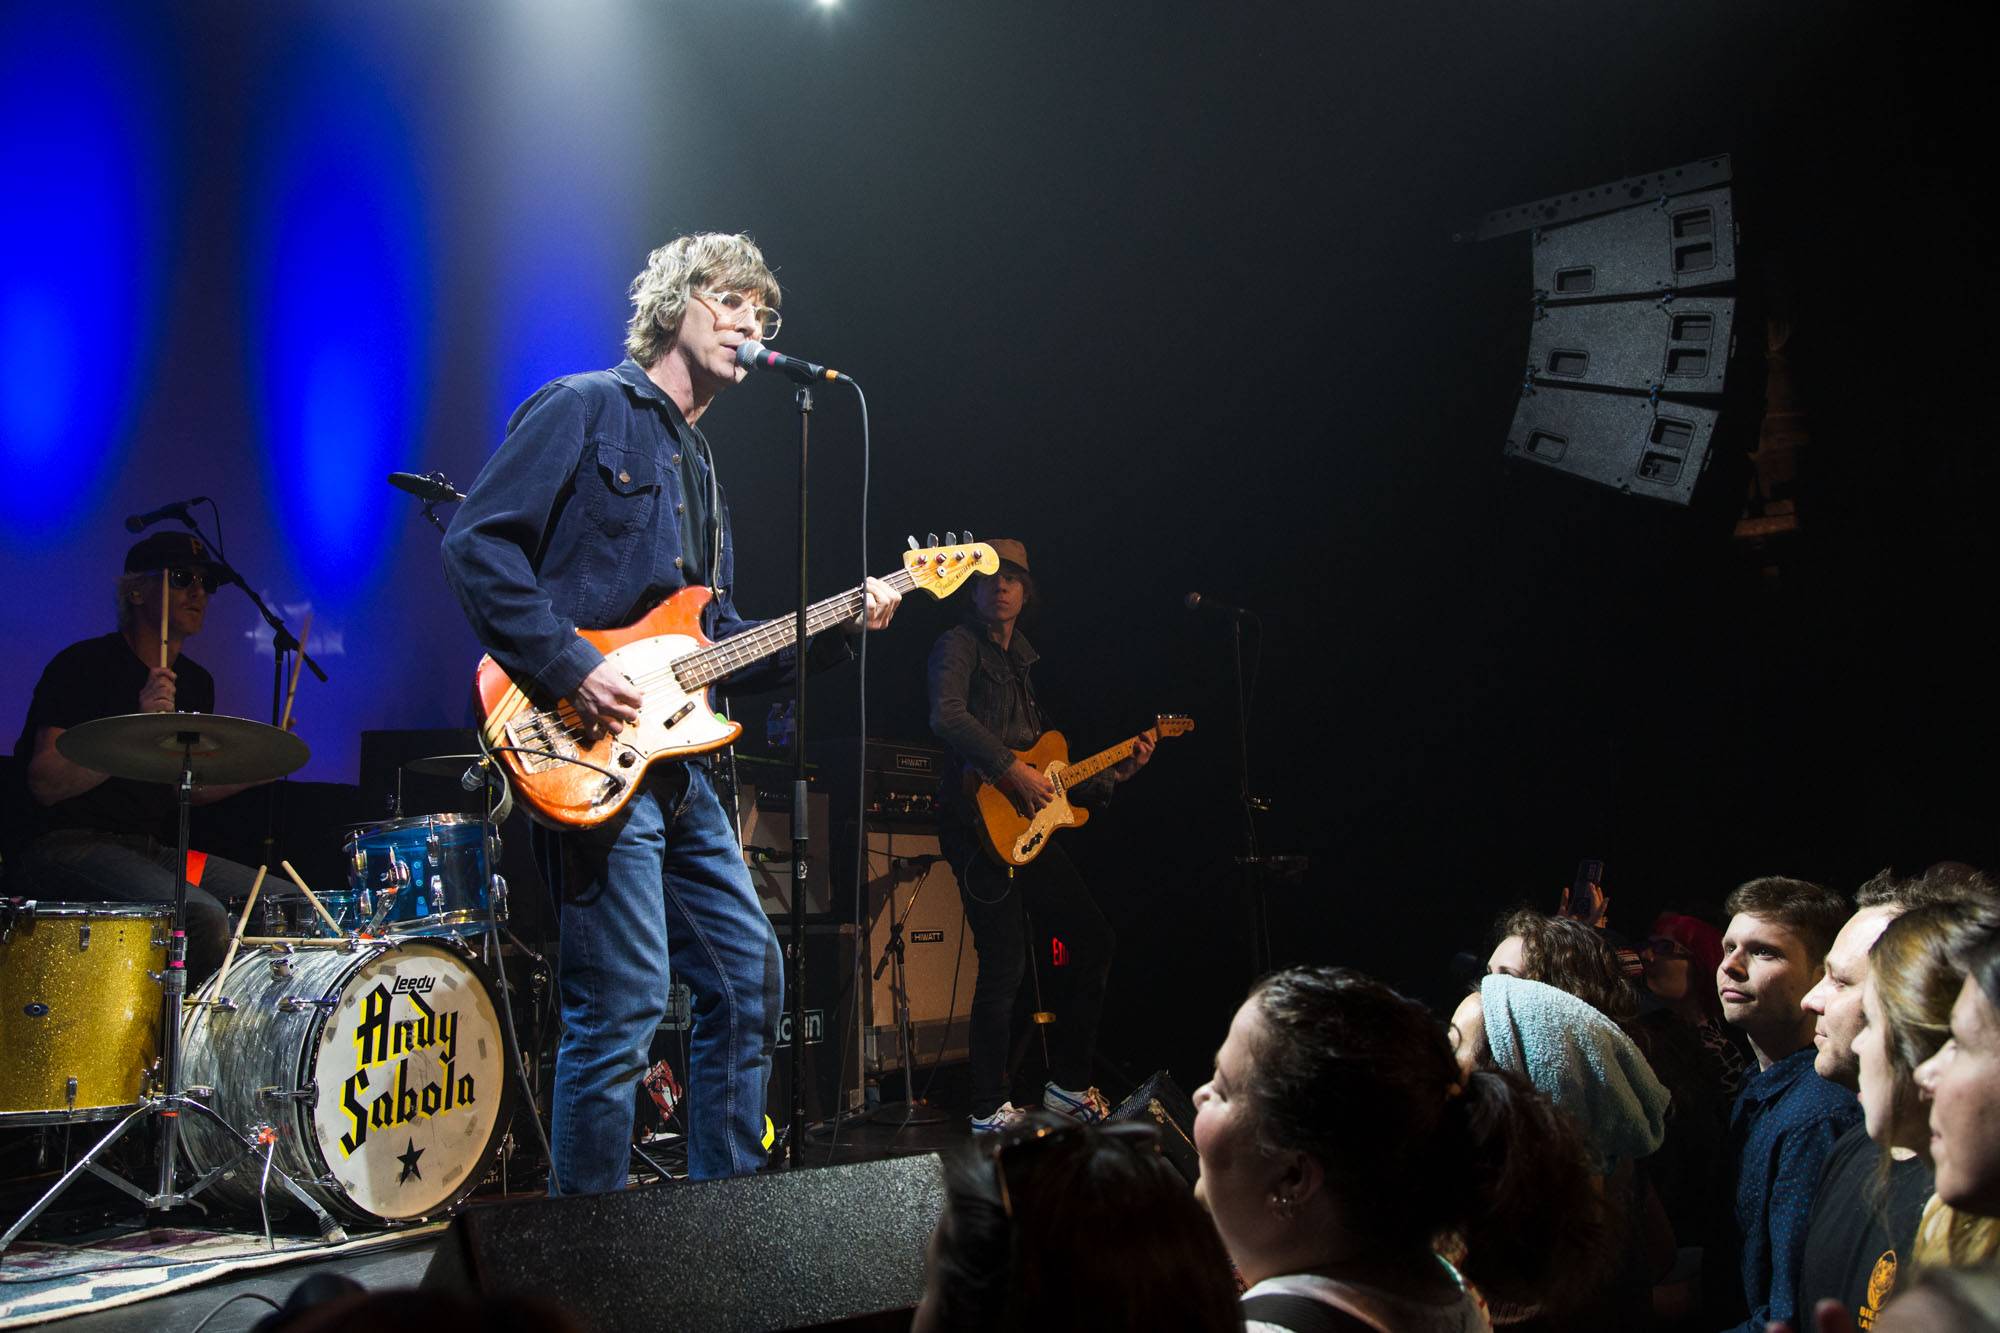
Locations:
(40, 1281)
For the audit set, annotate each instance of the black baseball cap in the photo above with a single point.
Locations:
(169, 550)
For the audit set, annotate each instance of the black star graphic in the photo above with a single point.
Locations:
(409, 1160)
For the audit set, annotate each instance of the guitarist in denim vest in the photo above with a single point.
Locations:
(601, 502)
(983, 706)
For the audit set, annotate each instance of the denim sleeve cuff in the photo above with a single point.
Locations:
(561, 677)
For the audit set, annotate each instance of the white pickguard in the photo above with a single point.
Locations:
(1055, 815)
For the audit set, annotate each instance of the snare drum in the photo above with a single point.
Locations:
(80, 1005)
(426, 875)
(380, 1068)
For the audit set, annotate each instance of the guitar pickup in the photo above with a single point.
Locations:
(679, 713)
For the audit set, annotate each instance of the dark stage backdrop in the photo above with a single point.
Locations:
(1167, 293)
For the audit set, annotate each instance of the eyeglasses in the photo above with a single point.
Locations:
(733, 304)
(1013, 1160)
(1661, 947)
(207, 578)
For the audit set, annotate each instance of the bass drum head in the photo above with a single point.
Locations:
(410, 1073)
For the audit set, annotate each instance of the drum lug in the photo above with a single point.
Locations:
(499, 897)
(310, 1092)
(69, 1093)
(83, 938)
(281, 967)
(292, 1004)
(201, 1092)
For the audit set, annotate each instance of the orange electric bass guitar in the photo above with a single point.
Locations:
(1017, 839)
(570, 782)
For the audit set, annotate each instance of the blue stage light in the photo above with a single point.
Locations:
(340, 309)
(84, 234)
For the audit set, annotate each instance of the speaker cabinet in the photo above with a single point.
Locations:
(909, 880)
(764, 818)
(781, 1249)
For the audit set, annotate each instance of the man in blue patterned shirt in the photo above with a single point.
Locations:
(1786, 1117)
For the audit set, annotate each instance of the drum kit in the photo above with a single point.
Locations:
(357, 1071)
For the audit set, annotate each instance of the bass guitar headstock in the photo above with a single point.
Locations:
(941, 568)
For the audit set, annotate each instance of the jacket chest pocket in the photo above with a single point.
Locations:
(627, 490)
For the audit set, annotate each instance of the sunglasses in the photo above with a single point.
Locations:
(1014, 1163)
(208, 578)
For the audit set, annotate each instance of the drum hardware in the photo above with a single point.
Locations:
(305, 1094)
(177, 747)
(69, 1094)
(291, 1004)
(83, 938)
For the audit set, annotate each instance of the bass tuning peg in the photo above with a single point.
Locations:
(913, 541)
(933, 539)
(951, 539)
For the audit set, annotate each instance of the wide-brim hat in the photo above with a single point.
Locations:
(169, 550)
(1010, 552)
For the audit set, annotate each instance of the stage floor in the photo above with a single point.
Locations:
(93, 1213)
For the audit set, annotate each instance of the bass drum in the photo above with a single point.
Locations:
(379, 1070)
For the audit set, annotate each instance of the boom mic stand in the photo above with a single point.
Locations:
(909, 1111)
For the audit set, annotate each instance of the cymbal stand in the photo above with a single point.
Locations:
(909, 1111)
(168, 1105)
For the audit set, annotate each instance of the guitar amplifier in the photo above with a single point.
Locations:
(909, 880)
(900, 778)
(764, 818)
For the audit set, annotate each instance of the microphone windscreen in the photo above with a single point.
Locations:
(749, 354)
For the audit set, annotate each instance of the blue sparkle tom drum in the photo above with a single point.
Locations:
(423, 875)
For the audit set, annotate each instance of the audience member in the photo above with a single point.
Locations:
(1882, 1009)
(1340, 1142)
(1683, 954)
(1852, 1247)
(1913, 980)
(1945, 1300)
(1962, 1082)
(1786, 1118)
(1054, 1224)
(1594, 1073)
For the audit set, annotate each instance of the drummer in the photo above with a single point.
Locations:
(106, 839)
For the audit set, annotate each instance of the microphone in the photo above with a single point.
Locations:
(432, 490)
(473, 778)
(754, 355)
(919, 864)
(178, 509)
(1194, 601)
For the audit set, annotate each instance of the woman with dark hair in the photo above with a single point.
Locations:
(1341, 1147)
(1052, 1224)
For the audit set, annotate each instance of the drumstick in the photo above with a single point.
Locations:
(215, 983)
(163, 620)
(298, 666)
(324, 915)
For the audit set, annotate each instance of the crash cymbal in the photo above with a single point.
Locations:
(445, 765)
(148, 747)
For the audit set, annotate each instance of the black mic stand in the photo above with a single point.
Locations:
(909, 1111)
(1252, 862)
(795, 1112)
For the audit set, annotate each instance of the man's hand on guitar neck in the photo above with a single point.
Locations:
(606, 701)
(1142, 754)
(1027, 787)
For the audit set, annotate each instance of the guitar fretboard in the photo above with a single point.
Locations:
(1083, 770)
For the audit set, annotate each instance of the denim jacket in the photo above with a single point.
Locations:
(573, 523)
(983, 706)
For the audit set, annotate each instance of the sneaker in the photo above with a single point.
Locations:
(1005, 1117)
(1086, 1108)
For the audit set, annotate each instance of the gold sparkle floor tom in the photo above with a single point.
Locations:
(80, 1001)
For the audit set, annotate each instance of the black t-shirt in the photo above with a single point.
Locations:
(102, 677)
(1850, 1254)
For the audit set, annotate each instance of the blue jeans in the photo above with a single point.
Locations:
(82, 865)
(662, 883)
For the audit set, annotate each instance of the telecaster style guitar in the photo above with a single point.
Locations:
(570, 782)
(1016, 839)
